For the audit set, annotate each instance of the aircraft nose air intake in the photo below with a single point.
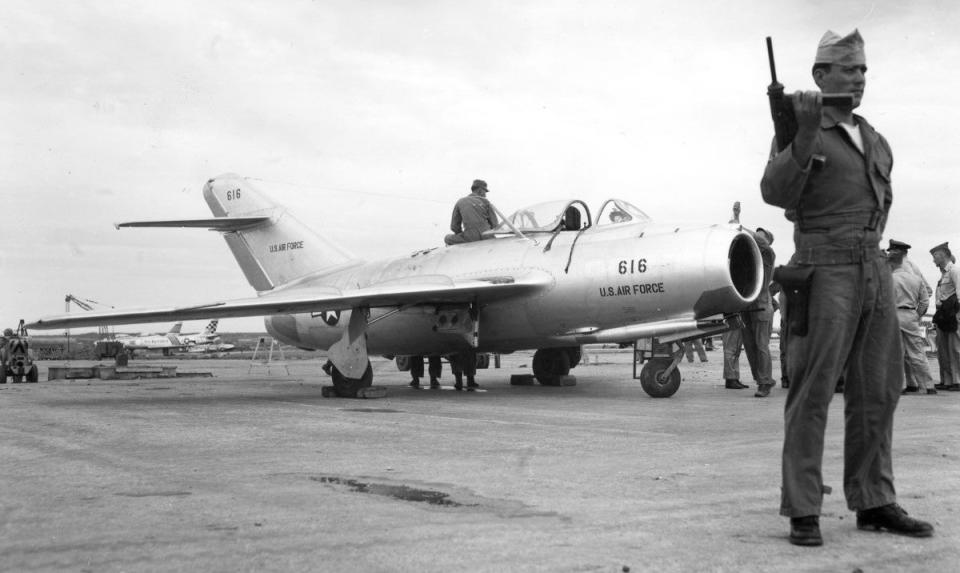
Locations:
(742, 276)
(746, 268)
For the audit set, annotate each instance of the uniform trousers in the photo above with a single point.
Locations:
(915, 368)
(756, 344)
(732, 342)
(435, 368)
(948, 356)
(853, 329)
(464, 362)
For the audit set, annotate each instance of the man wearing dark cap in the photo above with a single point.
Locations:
(908, 264)
(912, 301)
(945, 318)
(472, 215)
(833, 181)
(757, 321)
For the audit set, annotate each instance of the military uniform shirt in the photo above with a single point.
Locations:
(908, 291)
(947, 285)
(472, 215)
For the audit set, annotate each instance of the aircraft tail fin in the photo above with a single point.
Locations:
(175, 329)
(270, 245)
(211, 328)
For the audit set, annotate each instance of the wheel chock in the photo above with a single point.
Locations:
(522, 380)
(372, 392)
(565, 380)
(367, 392)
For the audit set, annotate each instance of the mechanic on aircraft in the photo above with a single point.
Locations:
(472, 215)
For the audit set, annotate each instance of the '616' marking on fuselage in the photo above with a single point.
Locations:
(632, 289)
(632, 266)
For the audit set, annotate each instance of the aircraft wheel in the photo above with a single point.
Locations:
(34, 374)
(575, 353)
(653, 381)
(550, 363)
(403, 363)
(348, 387)
(3, 372)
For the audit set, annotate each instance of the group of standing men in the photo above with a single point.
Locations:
(912, 297)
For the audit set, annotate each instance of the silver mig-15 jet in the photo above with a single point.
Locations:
(551, 278)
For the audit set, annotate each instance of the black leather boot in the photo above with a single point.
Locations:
(805, 531)
(892, 518)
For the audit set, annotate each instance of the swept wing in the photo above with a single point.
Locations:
(305, 299)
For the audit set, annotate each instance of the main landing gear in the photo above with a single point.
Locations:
(552, 365)
(345, 387)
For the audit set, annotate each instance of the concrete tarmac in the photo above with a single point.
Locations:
(258, 472)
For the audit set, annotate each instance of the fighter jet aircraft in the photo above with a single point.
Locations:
(549, 278)
(164, 342)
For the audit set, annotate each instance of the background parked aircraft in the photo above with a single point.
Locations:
(164, 342)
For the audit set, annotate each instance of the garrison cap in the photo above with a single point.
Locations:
(479, 184)
(767, 233)
(844, 50)
(896, 245)
(941, 247)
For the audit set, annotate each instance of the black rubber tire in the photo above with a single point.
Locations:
(3, 373)
(403, 363)
(348, 387)
(576, 354)
(549, 364)
(33, 375)
(651, 378)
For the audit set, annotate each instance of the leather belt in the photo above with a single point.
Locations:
(869, 220)
(836, 255)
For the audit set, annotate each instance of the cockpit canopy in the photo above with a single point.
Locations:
(569, 215)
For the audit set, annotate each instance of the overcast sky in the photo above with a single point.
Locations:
(369, 119)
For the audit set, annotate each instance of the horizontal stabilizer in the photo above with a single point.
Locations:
(434, 289)
(216, 224)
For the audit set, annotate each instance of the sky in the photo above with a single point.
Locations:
(368, 119)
